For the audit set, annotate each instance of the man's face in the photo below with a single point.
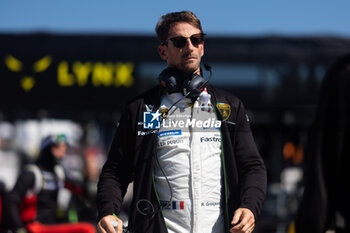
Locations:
(59, 151)
(187, 58)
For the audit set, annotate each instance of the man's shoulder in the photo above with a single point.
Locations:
(150, 96)
(223, 95)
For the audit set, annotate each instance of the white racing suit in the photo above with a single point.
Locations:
(189, 152)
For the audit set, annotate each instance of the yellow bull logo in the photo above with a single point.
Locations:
(224, 109)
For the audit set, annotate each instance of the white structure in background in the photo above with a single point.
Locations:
(9, 160)
(29, 133)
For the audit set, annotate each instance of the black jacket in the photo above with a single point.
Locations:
(327, 188)
(133, 150)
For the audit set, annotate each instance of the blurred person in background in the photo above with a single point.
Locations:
(211, 180)
(326, 198)
(86, 206)
(39, 197)
(92, 169)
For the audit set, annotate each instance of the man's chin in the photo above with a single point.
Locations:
(190, 69)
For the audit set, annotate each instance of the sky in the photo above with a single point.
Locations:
(231, 18)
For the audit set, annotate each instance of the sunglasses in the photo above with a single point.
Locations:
(180, 41)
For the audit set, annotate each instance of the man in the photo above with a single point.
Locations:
(187, 177)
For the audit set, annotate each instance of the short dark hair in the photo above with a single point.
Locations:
(165, 22)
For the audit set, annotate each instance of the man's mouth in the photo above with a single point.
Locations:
(190, 58)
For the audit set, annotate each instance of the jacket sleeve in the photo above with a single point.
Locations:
(117, 172)
(250, 165)
(24, 183)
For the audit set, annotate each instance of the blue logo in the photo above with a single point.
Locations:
(151, 120)
(169, 133)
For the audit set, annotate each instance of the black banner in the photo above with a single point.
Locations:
(69, 72)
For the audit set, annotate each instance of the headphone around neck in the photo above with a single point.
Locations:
(174, 80)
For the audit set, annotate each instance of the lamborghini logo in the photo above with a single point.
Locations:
(224, 109)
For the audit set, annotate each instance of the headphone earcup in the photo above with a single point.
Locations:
(193, 86)
(173, 80)
(168, 79)
(169, 84)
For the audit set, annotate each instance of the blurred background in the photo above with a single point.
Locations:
(70, 67)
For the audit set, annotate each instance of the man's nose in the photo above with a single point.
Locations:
(189, 46)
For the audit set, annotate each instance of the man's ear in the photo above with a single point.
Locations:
(162, 52)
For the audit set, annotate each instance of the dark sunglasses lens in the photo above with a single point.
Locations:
(179, 42)
(196, 39)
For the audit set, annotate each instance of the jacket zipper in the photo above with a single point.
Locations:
(224, 171)
(225, 182)
(155, 189)
(161, 210)
(193, 220)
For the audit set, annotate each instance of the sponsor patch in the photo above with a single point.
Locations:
(151, 120)
(224, 109)
(210, 139)
(170, 142)
(174, 205)
(169, 133)
(145, 133)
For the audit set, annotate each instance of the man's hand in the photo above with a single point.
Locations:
(243, 221)
(105, 225)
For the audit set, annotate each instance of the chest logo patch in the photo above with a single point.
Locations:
(151, 120)
(224, 109)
